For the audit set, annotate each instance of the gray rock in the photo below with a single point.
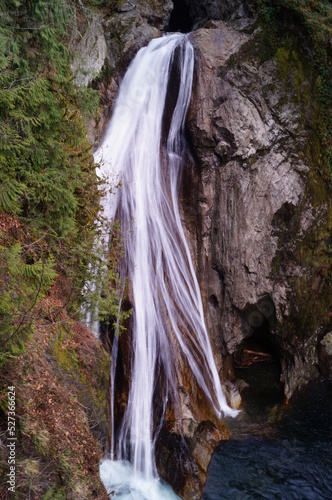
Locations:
(327, 343)
(127, 6)
(250, 173)
(89, 50)
(324, 351)
(226, 10)
(223, 149)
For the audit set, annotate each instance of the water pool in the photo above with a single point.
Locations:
(283, 453)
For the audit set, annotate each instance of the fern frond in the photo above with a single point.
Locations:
(10, 194)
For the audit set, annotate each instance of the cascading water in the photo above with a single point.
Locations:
(168, 319)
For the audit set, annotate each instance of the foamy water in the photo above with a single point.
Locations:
(123, 483)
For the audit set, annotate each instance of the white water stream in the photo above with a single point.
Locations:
(168, 319)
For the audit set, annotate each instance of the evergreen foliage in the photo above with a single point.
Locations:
(22, 286)
(47, 175)
(43, 146)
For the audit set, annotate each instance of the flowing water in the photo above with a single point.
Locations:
(141, 158)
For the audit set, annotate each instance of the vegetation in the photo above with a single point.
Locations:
(49, 204)
(310, 23)
(48, 187)
(107, 301)
(61, 384)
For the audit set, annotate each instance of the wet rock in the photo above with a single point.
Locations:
(206, 439)
(325, 355)
(135, 24)
(233, 394)
(203, 10)
(126, 31)
(183, 461)
(253, 214)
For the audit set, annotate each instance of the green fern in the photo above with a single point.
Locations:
(47, 174)
(23, 285)
(10, 193)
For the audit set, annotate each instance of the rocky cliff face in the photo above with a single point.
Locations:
(257, 202)
(189, 15)
(125, 31)
(255, 208)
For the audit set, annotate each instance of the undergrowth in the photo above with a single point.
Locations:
(49, 198)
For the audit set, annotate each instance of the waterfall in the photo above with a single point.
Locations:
(144, 169)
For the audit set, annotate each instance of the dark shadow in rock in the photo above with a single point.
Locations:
(257, 361)
(180, 19)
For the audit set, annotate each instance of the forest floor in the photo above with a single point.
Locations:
(60, 386)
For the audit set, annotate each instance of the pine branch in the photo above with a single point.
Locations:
(16, 331)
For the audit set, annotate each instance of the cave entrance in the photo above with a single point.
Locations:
(257, 367)
(180, 19)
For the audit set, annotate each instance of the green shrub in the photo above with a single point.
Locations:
(47, 174)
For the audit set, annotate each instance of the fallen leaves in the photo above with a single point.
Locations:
(54, 422)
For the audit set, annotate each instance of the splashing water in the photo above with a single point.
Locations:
(124, 483)
(168, 319)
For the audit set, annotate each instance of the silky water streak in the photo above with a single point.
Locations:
(168, 319)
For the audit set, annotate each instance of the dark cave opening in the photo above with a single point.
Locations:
(256, 348)
(257, 359)
(257, 370)
(180, 19)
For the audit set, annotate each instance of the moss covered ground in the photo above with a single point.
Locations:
(61, 384)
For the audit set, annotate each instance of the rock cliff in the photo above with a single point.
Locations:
(255, 207)
(260, 206)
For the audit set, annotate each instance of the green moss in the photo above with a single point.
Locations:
(316, 191)
(90, 375)
(308, 25)
(290, 69)
(65, 356)
(55, 494)
(310, 297)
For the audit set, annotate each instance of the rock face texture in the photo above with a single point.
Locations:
(252, 207)
(131, 27)
(201, 11)
(256, 212)
(89, 49)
